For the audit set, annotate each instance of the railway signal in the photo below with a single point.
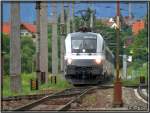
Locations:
(117, 85)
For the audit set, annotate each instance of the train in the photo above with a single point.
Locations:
(87, 59)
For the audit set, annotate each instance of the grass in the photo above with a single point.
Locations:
(133, 82)
(60, 85)
(135, 74)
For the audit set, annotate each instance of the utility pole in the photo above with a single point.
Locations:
(91, 17)
(38, 71)
(62, 37)
(15, 52)
(54, 42)
(130, 16)
(68, 18)
(118, 85)
(44, 42)
(73, 22)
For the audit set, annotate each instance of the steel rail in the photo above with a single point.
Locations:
(36, 96)
(140, 92)
(68, 105)
(59, 94)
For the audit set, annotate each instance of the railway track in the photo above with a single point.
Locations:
(20, 97)
(62, 94)
(37, 96)
(141, 89)
(60, 101)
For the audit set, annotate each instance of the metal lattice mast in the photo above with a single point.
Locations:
(15, 52)
(54, 41)
(62, 37)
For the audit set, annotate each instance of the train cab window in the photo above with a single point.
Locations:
(77, 45)
(88, 44)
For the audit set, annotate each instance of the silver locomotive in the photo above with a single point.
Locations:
(87, 58)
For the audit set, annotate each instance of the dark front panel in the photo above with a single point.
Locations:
(83, 62)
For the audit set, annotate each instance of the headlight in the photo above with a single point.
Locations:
(69, 60)
(98, 60)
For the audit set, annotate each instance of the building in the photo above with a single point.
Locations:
(137, 26)
(27, 29)
(128, 20)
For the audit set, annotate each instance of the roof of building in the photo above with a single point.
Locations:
(137, 26)
(28, 26)
(6, 28)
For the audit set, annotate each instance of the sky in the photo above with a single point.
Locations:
(103, 10)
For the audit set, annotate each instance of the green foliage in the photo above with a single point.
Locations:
(27, 54)
(139, 54)
(6, 91)
(5, 49)
(135, 70)
(61, 84)
(139, 47)
(50, 47)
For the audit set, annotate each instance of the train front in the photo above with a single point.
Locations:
(83, 58)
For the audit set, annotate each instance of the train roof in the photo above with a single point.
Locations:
(82, 33)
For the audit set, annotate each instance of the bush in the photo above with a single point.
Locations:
(27, 54)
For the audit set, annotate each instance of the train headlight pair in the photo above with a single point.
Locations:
(98, 60)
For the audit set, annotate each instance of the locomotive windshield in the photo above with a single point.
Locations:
(85, 44)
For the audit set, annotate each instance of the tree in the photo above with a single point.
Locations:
(6, 50)
(139, 47)
(27, 55)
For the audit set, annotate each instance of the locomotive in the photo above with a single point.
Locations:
(88, 60)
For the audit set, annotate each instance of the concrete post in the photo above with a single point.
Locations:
(68, 18)
(54, 41)
(73, 22)
(44, 40)
(62, 38)
(38, 71)
(15, 52)
(91, 17)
